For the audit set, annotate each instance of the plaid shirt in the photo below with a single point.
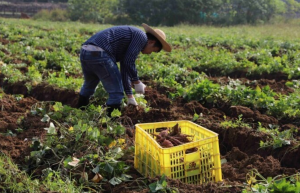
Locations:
(123, 44)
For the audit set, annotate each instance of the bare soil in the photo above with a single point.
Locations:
(239, 146)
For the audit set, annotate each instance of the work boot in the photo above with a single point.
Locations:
(111, 108)
(82, 101)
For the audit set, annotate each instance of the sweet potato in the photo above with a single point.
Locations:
(168, 139)
(163, 133)
(166, 143)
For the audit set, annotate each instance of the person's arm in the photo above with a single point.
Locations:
(130, 98)
(126, 81)
(128, 68)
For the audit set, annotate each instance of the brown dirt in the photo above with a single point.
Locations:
(4, 41)
(13, 115)
(239, 146)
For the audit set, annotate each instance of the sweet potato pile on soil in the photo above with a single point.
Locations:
(239, 146)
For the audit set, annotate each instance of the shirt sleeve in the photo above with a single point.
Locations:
(126, 81)
(128, 68)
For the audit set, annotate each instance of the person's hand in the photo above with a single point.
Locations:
(139, 88)
(131, 101)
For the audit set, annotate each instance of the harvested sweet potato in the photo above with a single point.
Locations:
(166, 143)
(164, 133)
(170, 137)
(175, 130)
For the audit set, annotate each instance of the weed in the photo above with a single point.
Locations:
(161, 186)
(278, 138)
(14, 180)
(234, 124)
(258, 184)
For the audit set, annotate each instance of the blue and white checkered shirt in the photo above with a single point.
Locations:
(123, 44)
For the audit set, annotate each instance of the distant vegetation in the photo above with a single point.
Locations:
(173, 12)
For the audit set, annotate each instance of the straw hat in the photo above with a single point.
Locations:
(160, 35)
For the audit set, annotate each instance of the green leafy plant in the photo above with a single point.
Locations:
(142, 102)
(34, 77)
(161, 186)
(9, 133)
(278, 138)
(62, 81)
(234, 124)
(284, 184)
(202, 90)
(18, 97)
(85, 133)
(12, 74)
(111, 169)
(13, 179)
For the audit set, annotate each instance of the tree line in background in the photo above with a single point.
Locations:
(38, 1)
(173, 12)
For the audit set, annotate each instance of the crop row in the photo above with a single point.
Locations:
(33, 53)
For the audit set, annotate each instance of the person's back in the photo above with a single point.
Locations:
(116, 40)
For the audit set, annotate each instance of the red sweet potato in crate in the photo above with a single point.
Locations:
(172, 137)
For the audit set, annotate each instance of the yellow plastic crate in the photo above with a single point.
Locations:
(198, 167)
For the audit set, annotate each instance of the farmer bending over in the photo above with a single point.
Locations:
(100, 53)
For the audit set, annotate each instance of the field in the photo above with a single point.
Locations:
(241, 82)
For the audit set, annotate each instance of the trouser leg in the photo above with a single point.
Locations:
(100, 67)
(91, 80)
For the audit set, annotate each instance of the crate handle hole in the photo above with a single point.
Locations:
(157, 130)
(191, 150)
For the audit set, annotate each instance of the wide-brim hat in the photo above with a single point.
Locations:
(160, 35)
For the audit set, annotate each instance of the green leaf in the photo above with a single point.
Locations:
(196, 116)
(51, 129)
(152, 187)
(269, 179)
(163, 180)
(104, 140)
(120, 130)
(108, 168)
(56, 115)
(117, 150)
(283, 186)
(95, 133)
(116, 113)
(159, 185)
(45, 119)
(78, 136)
(58, 106)
(125, 177)
(96, 169)
(66, 161)
(297, 187)
(155, 187)
(115, 181)
(258, 89)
